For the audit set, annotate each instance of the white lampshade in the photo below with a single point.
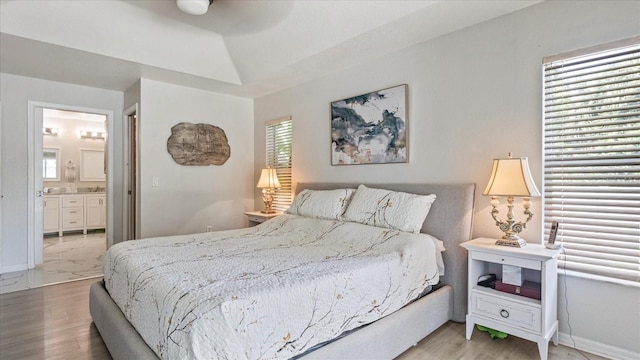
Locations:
(511, 177)
(268, 179)
(193, 7)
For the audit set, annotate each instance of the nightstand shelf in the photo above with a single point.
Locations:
(517, 315)
(256, 217)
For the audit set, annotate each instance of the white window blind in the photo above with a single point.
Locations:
(279, 138)
(592, 161)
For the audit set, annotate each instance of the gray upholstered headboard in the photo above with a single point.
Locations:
(450, 220)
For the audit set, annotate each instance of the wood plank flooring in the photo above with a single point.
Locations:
(53, 322)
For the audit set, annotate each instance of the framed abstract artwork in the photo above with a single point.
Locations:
(370, 128)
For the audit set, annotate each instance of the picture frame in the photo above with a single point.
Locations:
(370, 128)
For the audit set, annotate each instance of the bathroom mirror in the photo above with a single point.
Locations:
(91, 165)
(51, 164)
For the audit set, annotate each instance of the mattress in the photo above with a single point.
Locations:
(268, 292)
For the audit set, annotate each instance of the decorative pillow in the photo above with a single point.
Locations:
(389, 209)
(321, 204)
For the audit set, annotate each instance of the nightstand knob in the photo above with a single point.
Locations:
(504, 313)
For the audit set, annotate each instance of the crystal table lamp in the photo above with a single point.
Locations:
(268, 182)
(511, 177)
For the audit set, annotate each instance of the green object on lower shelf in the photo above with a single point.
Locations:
(495, 334)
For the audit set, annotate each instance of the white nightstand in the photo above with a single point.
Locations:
(527, 318)
(256, 217)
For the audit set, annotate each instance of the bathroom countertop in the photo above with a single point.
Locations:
(79, 191)
(76, 193)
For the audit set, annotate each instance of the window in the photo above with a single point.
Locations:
(592, 160)
(279, 138)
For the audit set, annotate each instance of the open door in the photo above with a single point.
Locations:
(131, 201)
(37, 188)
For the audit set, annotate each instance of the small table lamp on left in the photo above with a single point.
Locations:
(269, 183)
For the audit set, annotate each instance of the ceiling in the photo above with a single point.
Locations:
(247, 48)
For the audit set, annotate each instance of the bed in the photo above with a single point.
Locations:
(449, 219)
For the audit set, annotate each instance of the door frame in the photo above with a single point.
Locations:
(126, 141)
(1, 193)
(34, 161)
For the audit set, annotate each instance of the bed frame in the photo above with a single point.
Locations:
(450, 219)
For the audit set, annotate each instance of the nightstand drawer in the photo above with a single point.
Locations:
(255, 219)
(506, 311)
(508, 260)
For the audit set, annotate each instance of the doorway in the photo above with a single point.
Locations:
(87, 176)
(74, 195)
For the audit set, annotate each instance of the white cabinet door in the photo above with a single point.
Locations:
(51, 205)
(96, 213)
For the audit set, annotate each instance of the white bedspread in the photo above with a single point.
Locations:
(266, 292)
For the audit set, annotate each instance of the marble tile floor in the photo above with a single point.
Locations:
(68, 258)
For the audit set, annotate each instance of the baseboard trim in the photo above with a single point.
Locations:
(596, 348)
(12, 268)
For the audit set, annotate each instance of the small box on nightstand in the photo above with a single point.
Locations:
(529, 289)
(512, 275)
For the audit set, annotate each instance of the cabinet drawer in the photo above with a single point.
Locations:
(255, 219)
(72, 201)
(72, 224)
(51, 202)
(505, 259)
(506, 311)
(73, 214)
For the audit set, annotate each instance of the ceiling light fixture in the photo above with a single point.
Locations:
(194, 7)
(49, 131)
(92, 135)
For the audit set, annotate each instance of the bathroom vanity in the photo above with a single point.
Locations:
(74, 212)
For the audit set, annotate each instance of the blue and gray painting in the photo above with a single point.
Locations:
(370, 128)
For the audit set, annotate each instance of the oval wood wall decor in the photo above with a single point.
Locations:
(198, 144)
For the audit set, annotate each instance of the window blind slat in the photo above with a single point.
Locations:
(612, 247)
(577, 101)
(631, 85)
(608, 271)
(592, 161)
(605, 83)
(587, 258)
(602, 223)
(580, 63)
(601, 109)
(602, 190)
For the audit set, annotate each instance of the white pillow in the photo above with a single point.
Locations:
(389, 209)
(321, 204)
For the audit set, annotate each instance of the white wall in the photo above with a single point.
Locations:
(189, 198)
(16, 92)
(132, 95)
(473, 95)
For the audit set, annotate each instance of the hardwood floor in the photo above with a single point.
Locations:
(53, 322)
(50, 322)
(448, 342)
